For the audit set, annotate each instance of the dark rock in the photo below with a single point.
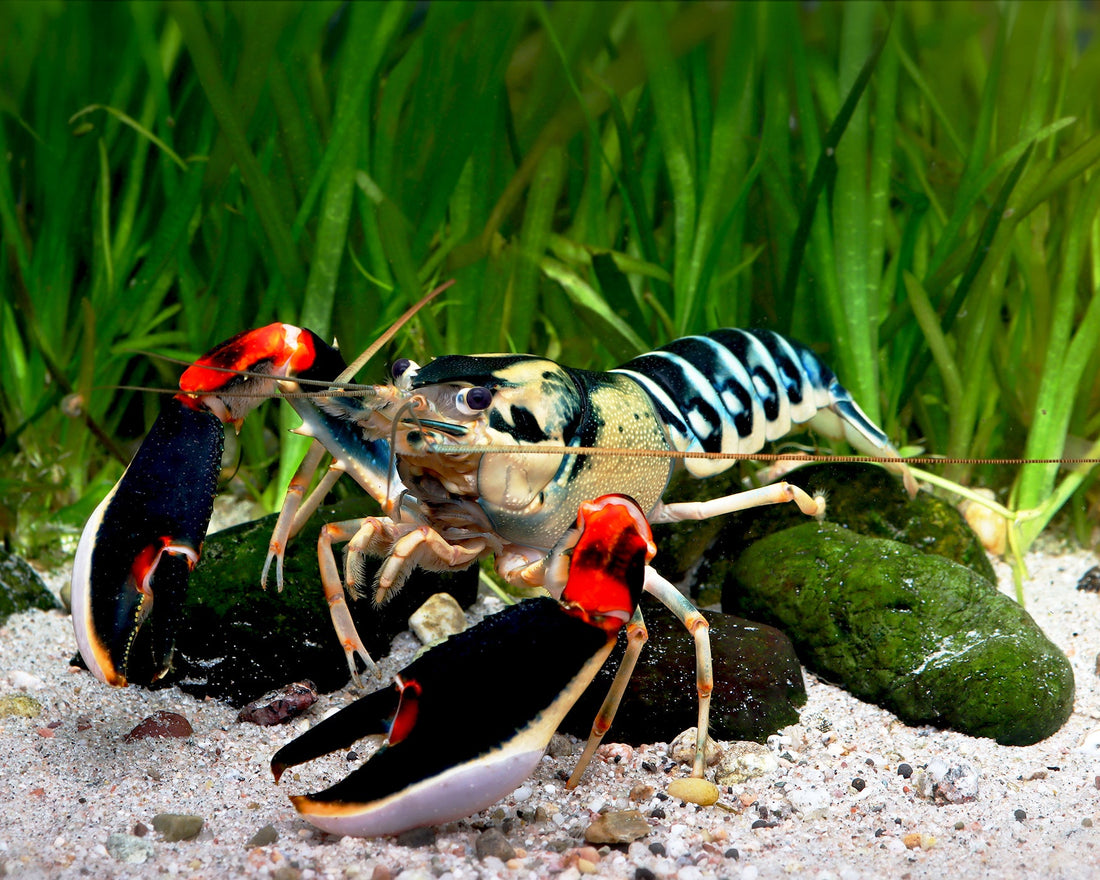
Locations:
(264, 837)
(492, 842)
(177, 826)
(1090, 580)
(21, 588)
(922, 636)
(416, 837)
(279, 707)
(757, 682)
(862, 497)
(238, 641)
(161, 723)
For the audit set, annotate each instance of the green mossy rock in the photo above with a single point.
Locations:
(863, 497)
(924, 637)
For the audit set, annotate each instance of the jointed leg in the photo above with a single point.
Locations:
(777, 493)
(334, 593)
(636, 636)
(697, 625)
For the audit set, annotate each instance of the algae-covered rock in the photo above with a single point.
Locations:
(865, 498)
(758, 685)
(929, 639)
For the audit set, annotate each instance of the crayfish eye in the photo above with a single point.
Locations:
(471, 401)
(404, 371)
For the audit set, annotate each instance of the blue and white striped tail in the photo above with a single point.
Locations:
(732, 391)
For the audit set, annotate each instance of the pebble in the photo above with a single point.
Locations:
(129, 849)
(281, 706)
(943, 784)
(25, 681)
(682, 749)
(161, 724)
(641, 792)
(694, 791)
(416, 837)
(438, 618)
(809, 803)
(493, 843)
(620, 826)
(264, 837)
(177, 826)
(742, 761)
(919, 841)
(19, 706)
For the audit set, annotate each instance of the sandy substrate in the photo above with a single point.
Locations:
(836, 807)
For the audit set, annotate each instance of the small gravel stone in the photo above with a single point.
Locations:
(560, 746)
(264, 837)
(620, 826)
(19, 706)
(129, 849)
(1020, 815)
(416, 837)
(859, 784)
(438, 618)
(644, 874)
(641, 792)
(742, 761)
(161, 724)
(905, 771)
(943, 784)
(492, 842)
(281, 706)
(682, 749)
(809, 803)
(694, 791)
(177, 826)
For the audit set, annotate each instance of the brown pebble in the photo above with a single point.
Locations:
(281, 706)
(621, 826)
(642, 792)
(141, 829)
(492, 842)
(911, 841)
(161, 724)
(381, 872)
(83, 722)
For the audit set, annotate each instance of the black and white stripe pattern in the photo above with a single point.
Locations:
(732, 391)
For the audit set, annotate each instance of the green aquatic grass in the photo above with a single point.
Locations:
(908, 187)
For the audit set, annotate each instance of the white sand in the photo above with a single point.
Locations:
(64, 791)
